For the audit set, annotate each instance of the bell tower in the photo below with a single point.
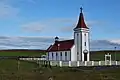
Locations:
(81, 39)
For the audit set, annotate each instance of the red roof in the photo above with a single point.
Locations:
(61, 45)
(81, 22)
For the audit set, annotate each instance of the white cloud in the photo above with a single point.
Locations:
(49, 25)
(45, 42)
(88, 23)
(33, 27)
(65, 25)
(7, 10)
(95, 23)
(26, 42)
(14, 1)
(117, 41)
(104, 45)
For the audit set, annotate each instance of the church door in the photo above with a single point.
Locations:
(85, 54)
(85, 57)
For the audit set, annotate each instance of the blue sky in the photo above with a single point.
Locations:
(50, 18)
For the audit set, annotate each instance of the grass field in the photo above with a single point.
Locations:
(94, 55)
(9, 70)
(21, 52)
(99, 55)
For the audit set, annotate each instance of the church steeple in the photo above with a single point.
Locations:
(81, 22)
(81, 40)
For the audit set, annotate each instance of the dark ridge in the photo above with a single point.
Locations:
(102, 51)
(25, 50)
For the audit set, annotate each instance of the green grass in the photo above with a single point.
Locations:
(10, 70)
(21, 53)
(99, 55)
(31, 71)
(94, 55)
(12, 65)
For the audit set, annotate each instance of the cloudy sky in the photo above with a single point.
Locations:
(33, 24)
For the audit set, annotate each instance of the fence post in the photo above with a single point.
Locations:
(78, 63)
(99, 63)
(69, 63)
(116, 63)
(110, 63)
(51, 63)
(85, 63)
(92, 63)
(60, 63)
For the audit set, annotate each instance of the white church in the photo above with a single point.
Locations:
(76, 49)
(74, 52)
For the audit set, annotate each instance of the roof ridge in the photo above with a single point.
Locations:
(66, 40)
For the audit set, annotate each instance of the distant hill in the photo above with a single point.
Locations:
(99, 55)
(33, 50)
(22, 52)
(94, 55)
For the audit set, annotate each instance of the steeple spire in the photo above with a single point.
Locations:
(81, 22)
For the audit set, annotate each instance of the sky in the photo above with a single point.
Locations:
(39, 20)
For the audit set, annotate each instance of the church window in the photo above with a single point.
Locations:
(52, 56)
(60, 55)
(56, 56)
(65, 55)
(85, 43)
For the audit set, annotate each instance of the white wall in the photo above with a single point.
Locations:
(80, 39)
(85, 39)
(73, 54)
(59, 57)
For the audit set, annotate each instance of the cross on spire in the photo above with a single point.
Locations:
(81, 9)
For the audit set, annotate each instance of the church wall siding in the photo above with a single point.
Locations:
(68, 55)
(54, 54)
(59, 57)
(49, 56)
